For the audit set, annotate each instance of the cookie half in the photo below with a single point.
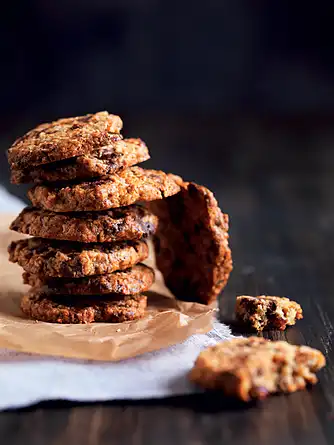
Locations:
(191, 244)
(266, 312)
(68, 259)
(135, 280)
(65, 138)
(103, 162)
(64, 309)
(252, 368)
(121, 189)
(125, 223)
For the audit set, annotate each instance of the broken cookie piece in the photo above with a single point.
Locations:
(265, 312)
(253, 368)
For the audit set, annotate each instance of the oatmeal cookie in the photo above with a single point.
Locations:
(135, 280)
(102, 162)
(63, 309)
(121, 189)
(65, 138)
(252, 368)
(266, 312)
(191, 244)
(120, 224)
(69, 259)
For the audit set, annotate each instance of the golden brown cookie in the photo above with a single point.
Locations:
(252, 368)
(121, 224)
(265, 312)
(68, 259)
(103, 162)
(65, 138)
(121, 189)
(135, 280)
(64, 309)
(191, 244)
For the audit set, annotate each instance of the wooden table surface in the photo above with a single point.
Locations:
(282, 216)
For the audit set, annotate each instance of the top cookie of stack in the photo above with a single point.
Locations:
(84, 172)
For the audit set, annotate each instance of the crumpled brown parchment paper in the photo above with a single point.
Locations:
(166, 323)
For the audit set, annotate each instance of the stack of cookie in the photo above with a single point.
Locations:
(84, 261)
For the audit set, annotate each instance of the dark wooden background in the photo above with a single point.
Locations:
(276, 182)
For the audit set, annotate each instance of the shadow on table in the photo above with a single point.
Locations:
(208, 402)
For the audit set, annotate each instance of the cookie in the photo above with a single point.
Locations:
(252, 368)
(135, 280)
(63, 309)
(126, 223)
(265, 312)
(121, 189)
(68, 259)
(103, 162)
(191, 244)
(65, 138)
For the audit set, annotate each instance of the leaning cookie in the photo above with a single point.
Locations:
(65, 138)
(191, 244)
(103, 162)
(64, 309)
(253, 368)
(266, 312)
(68, 259)
(127, 187)
(134, 280)
(120, 224)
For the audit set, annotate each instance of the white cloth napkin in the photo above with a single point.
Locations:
(27, 379)
(9, 203)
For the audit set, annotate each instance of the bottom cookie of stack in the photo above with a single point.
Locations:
(111, 298)
(115, 308)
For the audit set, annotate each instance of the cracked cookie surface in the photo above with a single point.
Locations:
(253, 368)
(65, 138)
(103, 162)
(68, 259)
(121, 189)
(120, 224)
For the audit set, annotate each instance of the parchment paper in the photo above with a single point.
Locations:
(167, 322)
